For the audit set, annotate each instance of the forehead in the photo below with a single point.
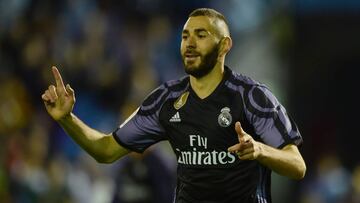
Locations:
(200, 22)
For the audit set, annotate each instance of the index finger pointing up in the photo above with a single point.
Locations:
(239, 130)
(59, 82)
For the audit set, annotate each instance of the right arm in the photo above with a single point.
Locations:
(102, 147)
(59, 102)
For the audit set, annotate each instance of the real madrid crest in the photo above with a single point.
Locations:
(225, 118)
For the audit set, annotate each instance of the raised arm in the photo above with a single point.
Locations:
(59, 102)
(286, 161)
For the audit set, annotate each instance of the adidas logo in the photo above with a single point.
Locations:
(175, 118)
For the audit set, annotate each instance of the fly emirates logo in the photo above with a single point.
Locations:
(200, 155)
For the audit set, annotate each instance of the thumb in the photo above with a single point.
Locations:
(241, 133)
(69, 90)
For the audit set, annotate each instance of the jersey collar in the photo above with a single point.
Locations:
(227, 74)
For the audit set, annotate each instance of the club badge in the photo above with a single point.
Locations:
(225, 118)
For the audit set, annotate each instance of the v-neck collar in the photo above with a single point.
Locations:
(227, 73)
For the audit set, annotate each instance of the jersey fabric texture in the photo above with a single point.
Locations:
(201, 130)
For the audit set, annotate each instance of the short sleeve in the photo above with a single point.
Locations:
(270, 119)
(142, 129)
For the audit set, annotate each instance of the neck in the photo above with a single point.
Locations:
(205, 85)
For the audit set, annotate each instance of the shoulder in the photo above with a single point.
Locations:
(241, 79)
(252, 91)
(242, 83)
(177, 85)
(167, 90)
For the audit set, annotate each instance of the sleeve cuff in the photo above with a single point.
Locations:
(121, 143)
(298, 141)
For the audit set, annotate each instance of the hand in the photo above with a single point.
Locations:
(59, 101)
(247, 148)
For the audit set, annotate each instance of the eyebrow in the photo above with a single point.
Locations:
(196, 31)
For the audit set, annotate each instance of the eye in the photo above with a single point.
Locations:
(202, 35)
(184, 37)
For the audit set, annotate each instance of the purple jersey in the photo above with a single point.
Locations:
(201, 130)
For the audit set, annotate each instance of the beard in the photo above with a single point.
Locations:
(207, 63)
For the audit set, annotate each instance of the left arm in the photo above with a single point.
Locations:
(286, 161)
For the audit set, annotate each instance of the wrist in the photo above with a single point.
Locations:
(262, 151)
(66, 118)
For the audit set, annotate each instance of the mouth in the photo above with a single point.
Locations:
(191, 55)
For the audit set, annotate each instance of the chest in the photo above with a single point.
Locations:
(202, 124)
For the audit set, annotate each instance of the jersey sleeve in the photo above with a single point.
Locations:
(270, 119)
(142, 129)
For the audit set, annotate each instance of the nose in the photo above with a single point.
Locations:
(191, 42)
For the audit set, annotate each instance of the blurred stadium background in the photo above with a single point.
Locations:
(114, 53)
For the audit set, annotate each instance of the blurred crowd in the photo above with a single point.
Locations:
(114, 53)
(331, 182)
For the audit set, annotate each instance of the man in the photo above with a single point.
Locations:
(228, 131)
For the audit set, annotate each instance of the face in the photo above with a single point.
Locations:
(199, 46)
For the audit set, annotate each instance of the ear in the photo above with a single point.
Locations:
(225, 46)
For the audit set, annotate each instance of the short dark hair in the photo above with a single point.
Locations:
(209, 12)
